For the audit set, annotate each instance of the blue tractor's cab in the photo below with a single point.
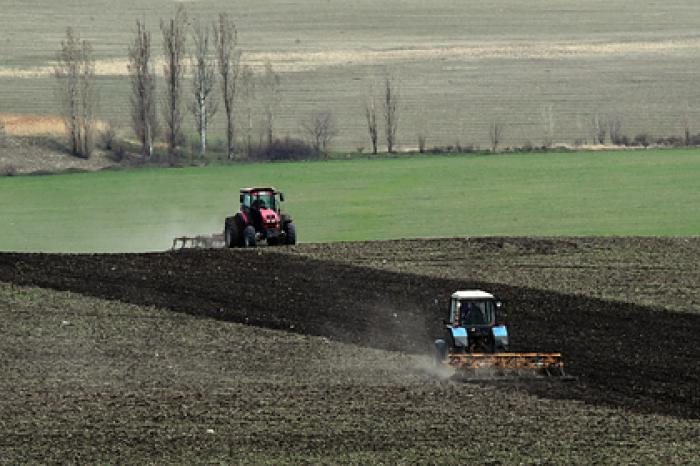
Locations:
(473, 324)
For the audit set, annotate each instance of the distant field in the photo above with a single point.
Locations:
(460, 64)
(636, 193)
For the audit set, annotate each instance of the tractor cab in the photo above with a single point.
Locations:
(473, 312)
(261, 198)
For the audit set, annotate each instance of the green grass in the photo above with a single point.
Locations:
(614, 193)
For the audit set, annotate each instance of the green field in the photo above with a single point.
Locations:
(460, 64)
(613, 193)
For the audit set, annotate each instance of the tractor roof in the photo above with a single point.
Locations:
(472, 294)
(268, 188)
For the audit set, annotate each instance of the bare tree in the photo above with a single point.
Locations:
(421, 143)
(228, 61)
(643, 139)
(75, 73)
(174, 39)
(615, 130)
(108, 135)
(495, 134)
(371, 117)
(547, 125)
(685, 127)
(143, 89)
(321, 129)
(247, 96)
(598, 129)
(581, 130)
(391, 116)
(270, 84)
(203, 82)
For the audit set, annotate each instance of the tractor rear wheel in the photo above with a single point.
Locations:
(231, 234)
(291, 237)
(249, 237)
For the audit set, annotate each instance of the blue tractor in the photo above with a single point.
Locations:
(477, 340)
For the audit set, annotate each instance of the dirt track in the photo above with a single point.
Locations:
(644, 359)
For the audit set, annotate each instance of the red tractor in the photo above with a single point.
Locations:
(260, 219)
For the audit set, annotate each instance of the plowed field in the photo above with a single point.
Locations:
(343, 365)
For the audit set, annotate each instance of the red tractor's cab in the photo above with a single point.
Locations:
(260, 218)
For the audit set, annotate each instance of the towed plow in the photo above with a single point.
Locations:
(198, 242)
(476, 347)
(507, 366)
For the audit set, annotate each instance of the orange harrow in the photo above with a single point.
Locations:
(499, 365)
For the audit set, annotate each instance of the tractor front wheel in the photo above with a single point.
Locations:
(249, 237)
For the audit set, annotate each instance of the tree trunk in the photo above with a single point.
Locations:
(229, 133)
(250, 132)
(203, 130)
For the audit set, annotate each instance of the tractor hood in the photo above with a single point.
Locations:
(269, 216)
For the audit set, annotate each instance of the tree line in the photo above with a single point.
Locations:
(209, 54)
(213, 59)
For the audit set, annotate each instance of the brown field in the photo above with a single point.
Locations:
(459, 64)
(341, 373)
(35, 144)
(32, 125)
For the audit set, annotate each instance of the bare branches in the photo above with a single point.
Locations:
(371, 117)
(228, 61)
(75, 73)
(421, 143)
(203, 82)
(143, 88)
(685, 127)
(321, 129)
(391, 116)
(495, 134)
(247, 96)
(270, 84)
(598, 129)
(174, 39)
(547, 125)
(615, 130)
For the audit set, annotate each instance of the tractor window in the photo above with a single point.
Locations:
(264, 200)
(472, 313)
(246, 201)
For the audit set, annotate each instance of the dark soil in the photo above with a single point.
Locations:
(94, 381)
(640, 358)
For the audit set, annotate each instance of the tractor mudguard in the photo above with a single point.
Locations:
(500, 336)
